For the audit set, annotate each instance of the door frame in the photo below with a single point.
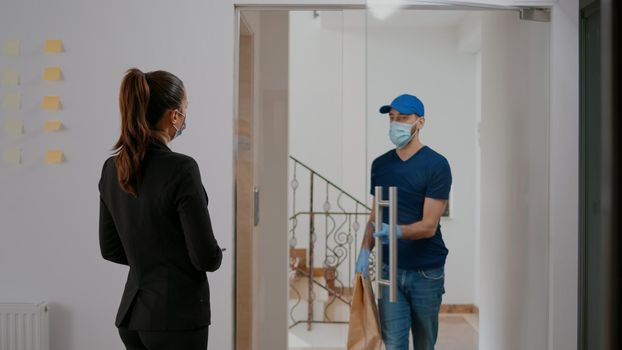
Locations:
(243, 331)
(248, 264)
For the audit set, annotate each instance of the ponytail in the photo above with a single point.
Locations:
(135, 132)
(144, 99)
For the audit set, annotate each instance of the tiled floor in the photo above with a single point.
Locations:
(458, 332)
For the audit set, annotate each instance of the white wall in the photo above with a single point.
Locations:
(49, 246)
(316, 91)
(327, 94)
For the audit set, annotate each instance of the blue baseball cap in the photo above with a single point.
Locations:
(405, 104)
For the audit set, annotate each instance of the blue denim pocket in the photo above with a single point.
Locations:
(433, 274)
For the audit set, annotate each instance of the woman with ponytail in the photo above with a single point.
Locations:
(154, 218)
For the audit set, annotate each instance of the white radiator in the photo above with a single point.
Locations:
(24, 326)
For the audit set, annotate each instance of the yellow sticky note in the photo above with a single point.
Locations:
(10, 77)
(14, 127)
(52, 74)
(53, 46)
(52, 125)
(12, 156)
(51, 103)
(12, 101)
(11, 48)
(54, 157)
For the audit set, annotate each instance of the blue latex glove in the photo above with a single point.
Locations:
(362, 262)
(383, 233)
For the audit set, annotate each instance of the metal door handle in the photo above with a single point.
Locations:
(392, 205)
(256, 206)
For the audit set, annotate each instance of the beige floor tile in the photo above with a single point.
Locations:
(456, 333)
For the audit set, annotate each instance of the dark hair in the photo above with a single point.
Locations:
(143, 100)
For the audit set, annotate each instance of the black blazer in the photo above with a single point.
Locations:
(165, 236)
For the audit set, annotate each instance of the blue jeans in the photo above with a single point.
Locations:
(419, 296)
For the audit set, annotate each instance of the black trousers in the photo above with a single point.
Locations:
(164, 340)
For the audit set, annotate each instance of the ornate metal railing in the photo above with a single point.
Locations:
(324, 241)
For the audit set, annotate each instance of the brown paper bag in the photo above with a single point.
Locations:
(364, 329)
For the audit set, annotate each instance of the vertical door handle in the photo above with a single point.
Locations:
(378, 209)
(256, 206)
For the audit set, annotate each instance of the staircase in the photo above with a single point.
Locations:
(331, 308)
(324, 243)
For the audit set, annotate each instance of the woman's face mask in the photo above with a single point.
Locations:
(178, 131)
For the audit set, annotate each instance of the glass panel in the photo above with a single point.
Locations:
(327, 197)
(434, 56)
(482, 77)
(319, 80)
(261, 183)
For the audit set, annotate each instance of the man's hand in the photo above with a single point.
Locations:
(384, 232)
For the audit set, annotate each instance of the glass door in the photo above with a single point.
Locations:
(310, 85)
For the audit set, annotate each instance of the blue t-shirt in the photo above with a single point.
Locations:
(425, 174)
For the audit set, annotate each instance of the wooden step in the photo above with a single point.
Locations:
(298, 257)
(298, 261)
(345, 292)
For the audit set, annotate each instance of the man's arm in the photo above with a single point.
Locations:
(426, 228)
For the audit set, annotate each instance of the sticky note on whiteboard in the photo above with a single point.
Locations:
(14, 127)
(53, 125)
(11, 47)
(12, 156)
(10, 77)
(52, 74)
(12, 101)
(53, 46)
(54, 157)
(51, 103)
